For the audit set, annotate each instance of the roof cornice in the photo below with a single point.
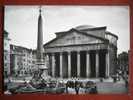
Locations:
(72, 30)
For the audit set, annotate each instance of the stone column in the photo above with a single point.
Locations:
(97, 64)
(53, 64)
(87, 64)
(69, 64)
(78, 64)
(61, 74)
(107, 64)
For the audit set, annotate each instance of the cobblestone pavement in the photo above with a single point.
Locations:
(110, 87)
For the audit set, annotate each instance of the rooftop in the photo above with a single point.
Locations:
(82, 27)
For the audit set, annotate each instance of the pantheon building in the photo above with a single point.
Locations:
(84, 52)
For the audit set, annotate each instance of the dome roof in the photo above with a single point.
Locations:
(82, 27)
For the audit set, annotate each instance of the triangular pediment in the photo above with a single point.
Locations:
(73, 38)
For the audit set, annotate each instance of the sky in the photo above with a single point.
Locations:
(21, 22)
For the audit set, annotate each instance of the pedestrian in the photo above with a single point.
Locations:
(114, 78)
(77, 90)
(126, 83)
(101, 79)
(66, 88)
(77, 87)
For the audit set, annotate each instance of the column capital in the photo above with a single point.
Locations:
(61, 53)
(97, 51)
(78, 52)
(53, 54)
(69, 52)
(108, 50)
(88, 51)
(47, 54)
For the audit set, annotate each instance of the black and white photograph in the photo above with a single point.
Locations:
(66, 49)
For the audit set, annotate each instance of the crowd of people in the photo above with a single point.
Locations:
(88, 86)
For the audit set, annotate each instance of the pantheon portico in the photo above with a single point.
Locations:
(85, 51)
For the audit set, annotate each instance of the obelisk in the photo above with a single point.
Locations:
(40, 59)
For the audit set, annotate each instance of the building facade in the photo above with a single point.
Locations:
(85, 51)
(123, 63)
(6, 54)
(22, 60)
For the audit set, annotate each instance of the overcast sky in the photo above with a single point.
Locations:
(21, 22)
